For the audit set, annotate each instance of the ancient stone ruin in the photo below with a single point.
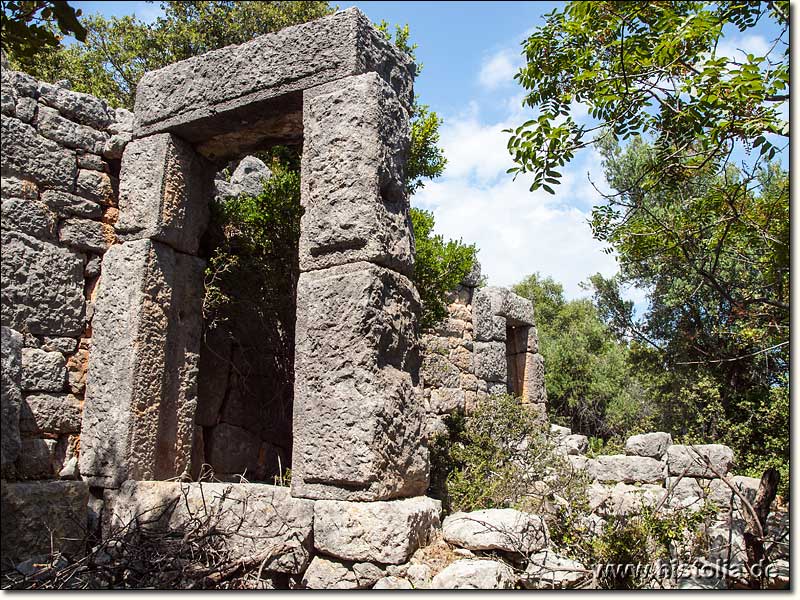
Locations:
(113, 398)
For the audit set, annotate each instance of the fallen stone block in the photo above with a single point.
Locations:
(503, 529)
(381, 532)
(325, 573)
(250, 519)
(475, 575)
(547, 570)
(691, 460)
(653, 445)
(628, 469)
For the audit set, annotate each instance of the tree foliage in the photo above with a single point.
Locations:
(30, 27)
(439, 268)
(651, 68)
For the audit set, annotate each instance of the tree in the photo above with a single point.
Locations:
(30, 27)
(651, 68)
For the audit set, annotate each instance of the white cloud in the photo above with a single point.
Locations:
(739, 46)
(499, 69)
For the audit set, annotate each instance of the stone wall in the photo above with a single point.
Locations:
(487, 345)
(60, 164)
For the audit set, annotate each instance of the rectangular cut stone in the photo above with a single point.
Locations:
(358, 411)
(50, 413)
(490, 361)
(629, 469)
(531, 378)
(690, 461)
(356, 140)
(10, 398)
(41, 517)
(250, 520)
(164, 192)
(42, 290)
(218, 92)
(27, 154)
(380, 532)
(141, 392)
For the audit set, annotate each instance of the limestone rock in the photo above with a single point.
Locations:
(358, 415)
(55, 127)
(473, 278)
(574, 444)
(27, 154)
(94, 162)
(653, 445)
(491, 303)
(43, 371)
(87, 235)
(383, 532)
(250, 176)
(10, 398)
(163, 192)
(438, 372)
(503, 529)
(42, 288)
(558, 433)
(65, 345)
(628, 469)
(30, 217)
(50, 413)
(219, 86)
(356, 138)
(147, 290)
(690, 460)
(37, 514)
(96, 186)
(475, 575)
(490, 361)
(548, 570)
(11, 187)
(67, 204)
(79, 107)
(393, 583)
(114, 147)
(37, 459)
(622, 499)
(446, 400)
(325, 573)
(253, 519)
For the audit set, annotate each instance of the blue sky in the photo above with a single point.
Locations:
(470, 52)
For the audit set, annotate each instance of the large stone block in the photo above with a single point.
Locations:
(164, 192)
(30, 217)
(330, 574)
(490, 361)
(503, 529)
(380, 532)
(45, 516)
(72, 135)
(77, 106)
(10, 398)
(494, 308)
(690, 461)
(629, 469)
(211, 95)
(480, 574)
(251, 520)
(50, 413)
(27, 154)
(43, 371)
(653, 444)
(358, 413)
(356, 139)
(42, 288)
(141, 392)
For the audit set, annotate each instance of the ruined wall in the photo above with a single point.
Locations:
(487, 345)
(60, 161)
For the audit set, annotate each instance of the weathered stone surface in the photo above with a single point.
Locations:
(445, 400)
(253, 520)
(123, 121)
(50, 413)
(30, 217)
(438, 371)
(85, 234)
(622, 499)
(87, 160)
(76, 106)
(326, 573)
(689, 491)
(356, 139)
(690, 460)
(96, 186)
(11, 187)
(381, 532)
(557, 432)
(37, 458)
(65, 345)
(77, 367)
(164, 191)
(43, 371)
(526, 377)
(115, 146)
(393, 583)
(71, 205)
(10, 398)
(473, 278)
(42, 288)
(55, 127)
(628, 469)
(43, 516)
(358, 415)
(141, 393)
(21, 83)
(548, 570)
(491, 305)
(31, 156)
(490, 361)
(574, 444)
(213, 92)
(496, 529)
(250, 176)
(653, 444)
(475, 575)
